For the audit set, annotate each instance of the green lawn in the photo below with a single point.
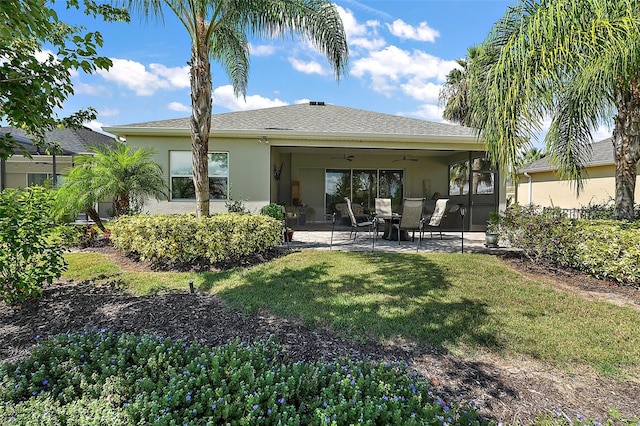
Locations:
(459, 302)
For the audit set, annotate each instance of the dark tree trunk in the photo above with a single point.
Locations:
(626, 146)
(201, 98)
(121, 204)
(95, 217)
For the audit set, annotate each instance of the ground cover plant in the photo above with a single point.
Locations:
(460, 303)
(112, 378)
(515, 388)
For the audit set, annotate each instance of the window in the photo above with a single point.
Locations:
(181, 171)
(41, 179)
(482, 177)
(459, 178)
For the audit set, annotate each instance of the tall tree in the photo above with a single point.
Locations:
(37, 55)
(127, 176)
(218, 31)
(454, 94)
(576, 61)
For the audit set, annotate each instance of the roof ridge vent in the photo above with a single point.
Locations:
(320, 103)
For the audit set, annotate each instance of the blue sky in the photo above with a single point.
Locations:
(400, 53)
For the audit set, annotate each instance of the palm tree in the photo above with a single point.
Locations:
(454, 95)
(575, 61)
(129, 177)
(218, 31)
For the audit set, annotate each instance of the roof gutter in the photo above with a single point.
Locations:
(289, 137)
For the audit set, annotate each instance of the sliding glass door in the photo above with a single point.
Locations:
(363, 187)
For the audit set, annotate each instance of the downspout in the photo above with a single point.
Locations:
(528, 176)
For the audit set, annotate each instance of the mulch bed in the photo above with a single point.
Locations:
(505, 390)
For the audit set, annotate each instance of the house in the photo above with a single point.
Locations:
(538, 183)
(48, 165)
(315, 154)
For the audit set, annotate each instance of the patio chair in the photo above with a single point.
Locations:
(383, 209)
(411, 219)
(435, 221)
(355, 224)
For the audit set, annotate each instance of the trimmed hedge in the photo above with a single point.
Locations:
(606, 249)
(609, 249)
(185, 238)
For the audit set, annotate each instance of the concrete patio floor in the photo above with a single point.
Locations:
(451, 242)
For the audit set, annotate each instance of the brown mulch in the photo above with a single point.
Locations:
(508, 390)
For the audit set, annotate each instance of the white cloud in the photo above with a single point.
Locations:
(428, 112)
(108, 112)
(421, 90)
(310, 67)
(423, 32)
(177, 77)
(262, 50)
(88, 89)
(224, 97)
(359, 35)
(135, 76)
(369, 43)
(177, 106)
(390, 66)
(351, 26)
(301, 101)
(603, 132)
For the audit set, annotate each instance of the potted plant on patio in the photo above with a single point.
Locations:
(492, 235)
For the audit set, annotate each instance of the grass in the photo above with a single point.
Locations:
(458, 302)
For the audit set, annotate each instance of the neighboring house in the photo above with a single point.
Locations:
(316, 154)
(538, 183)
(44, 166)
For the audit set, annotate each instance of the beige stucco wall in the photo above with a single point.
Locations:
(249, 168)
(18, 167)
(546, 190)
(309, 170)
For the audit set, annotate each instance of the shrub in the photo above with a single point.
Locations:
(273, 210)
(28, 256)
(543, 235)
(125, 378)
(186, 238)
(609, 249)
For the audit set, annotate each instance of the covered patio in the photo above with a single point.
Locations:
(452, 242)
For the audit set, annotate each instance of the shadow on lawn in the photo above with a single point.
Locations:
(393, 296)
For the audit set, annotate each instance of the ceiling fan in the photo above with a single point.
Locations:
(404, 158)
(344, 157)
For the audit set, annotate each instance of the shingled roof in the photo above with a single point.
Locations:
(72, 141)
(316, 117)
(601, 155)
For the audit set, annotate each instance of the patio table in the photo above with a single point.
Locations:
(389, 232)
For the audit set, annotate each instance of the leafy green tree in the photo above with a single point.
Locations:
(129, 177)
(33, 87)
(28, 256)
(218, 31)
(575, 61)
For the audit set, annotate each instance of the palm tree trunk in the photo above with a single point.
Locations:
(201, 98)
(95, 217)
(626, 145)
(121, 203)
